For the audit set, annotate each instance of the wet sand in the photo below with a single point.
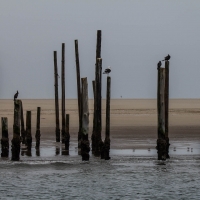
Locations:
(133, 121)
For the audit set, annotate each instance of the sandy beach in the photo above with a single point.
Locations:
(133, 121)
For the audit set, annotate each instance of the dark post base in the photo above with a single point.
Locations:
(161, 147)
(85, 149)
(63, 136)
(57, 135)
(66, 141)
(93, 142)
(167, 147)
(15, 148)
(4, 147)
(37, 137)
(29, 142)
(107, 149)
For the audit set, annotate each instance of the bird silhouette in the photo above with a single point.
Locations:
(16, 95)
(159, 65)
(167, 58)
(107, 70)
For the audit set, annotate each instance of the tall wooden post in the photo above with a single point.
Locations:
(63, 92)
(78, 90)
(107, 138)
(167, 107)
(161, 142)
(93, 131)
(85, 145)
(4, 139)
(67, 135)
(28, 130)
(98, 45)
(37, 135)
(16, 131)
(23, 132)
(56, 98)
(98, 140)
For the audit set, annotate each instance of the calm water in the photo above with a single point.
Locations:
(128, 175)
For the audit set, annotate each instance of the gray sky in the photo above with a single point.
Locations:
(136, 34)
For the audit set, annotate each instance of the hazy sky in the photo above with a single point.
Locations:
(136, 34)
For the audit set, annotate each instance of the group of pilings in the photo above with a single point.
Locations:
(163, 112)
(99, 148)
(20, 135)
(65, 136)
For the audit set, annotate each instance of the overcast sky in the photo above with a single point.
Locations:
(136, 34)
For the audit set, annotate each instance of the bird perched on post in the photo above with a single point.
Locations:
(107, 70)
(159, 65)
(167, 58)
(16, 95)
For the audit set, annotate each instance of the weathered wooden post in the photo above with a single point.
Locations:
(98, 45)
(161, 142)
(28, 130)
(56, 98)
(107, 138)
(67, 135)
(167, 107)
(4, 139)
(78, 91)
(16, 131)
(63, 92)
(23, 132)
(98, 140)
(85, 145)
(93, 131)
(37, 135)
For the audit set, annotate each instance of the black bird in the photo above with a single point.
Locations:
(159, 65)
(16, 95)
(107, 70)
(167, 57)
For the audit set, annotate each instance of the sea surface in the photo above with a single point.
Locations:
(130, 174)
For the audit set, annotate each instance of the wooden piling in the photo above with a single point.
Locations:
(93, 131)
(85, 145)
(37, 135)
(28, 130)
(107, 137)
(78, 91)
(56, 98)
(23, 132)
(161, 142)
(4, 139)
(167, 107)
(98, 45)
(16, 131)
(98, 128)
(67, 135)
(63, 92)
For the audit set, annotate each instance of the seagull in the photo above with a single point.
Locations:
(167, 58)
(107, 70)
(16, 95)
(159, 65)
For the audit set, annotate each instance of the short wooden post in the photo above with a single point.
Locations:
(23, 132)
(93, 131)
(16, 131)
(85, 145)
(56, 98)
(4, 139)
(37, 135)
(107, 138)
(98, 140)
(161, 142)
(67, 135)
(63, 92)
(167, 107)
(28, 130)
(78, 91)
